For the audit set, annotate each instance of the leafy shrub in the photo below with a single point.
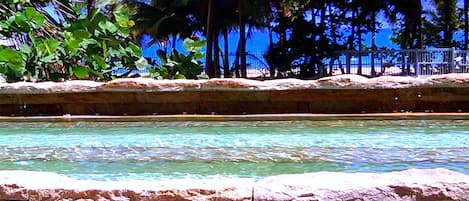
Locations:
(178, 65)
(83, 47)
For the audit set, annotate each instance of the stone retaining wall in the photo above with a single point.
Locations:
(410, 185)
(340, 94)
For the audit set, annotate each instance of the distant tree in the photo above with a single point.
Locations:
(466, 24)
(440, 25)
(408, 15)
(446, 9)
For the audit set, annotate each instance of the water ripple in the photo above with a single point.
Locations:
(251, 154)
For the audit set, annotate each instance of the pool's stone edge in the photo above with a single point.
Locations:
(235, 84)
(345, 94)
(409, 185)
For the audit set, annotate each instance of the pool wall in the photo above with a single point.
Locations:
(345, 94)
(409, 185)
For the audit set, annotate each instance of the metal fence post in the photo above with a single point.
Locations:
(417, 61)
(348, 63)
(373, 71)
(452, 59)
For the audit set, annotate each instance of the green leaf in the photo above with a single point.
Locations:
(13, 60)
(25, 49)
(179, 76)
(22, 22)
(99, 61)
(199, 55)
(35, 18)
(124, 32)
(80, 72)
(122, 19)
(85, 43)
(135, 50)
(47, 59)
(51, 45)
(11, 57)
(203, 77)
(141, 64)
(108, 26)
(191, 45)
(95, 73)
(81, 34)
(179, 3)
(162, 56)
(72, 46)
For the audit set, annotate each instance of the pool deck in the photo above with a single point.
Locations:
(414, 184)
(254, 117)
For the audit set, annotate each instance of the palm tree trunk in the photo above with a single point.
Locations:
(209, 34)
(446, 35)
(360, 48)
(226, 64)
(236, 63)
(90, 6)
(216, 57)
(323, 37)
(174, 42)
(466, 24)
(242, 37)
(419, 25)
(373, 43)
(271, 42)
(352, 34)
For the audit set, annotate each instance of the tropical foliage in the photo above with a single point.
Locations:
(302, 32)
(85, 45)
(178, 65)
(91, 38)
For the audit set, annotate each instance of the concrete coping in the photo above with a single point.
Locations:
(151, 85)
(241, 118)
(414, 184)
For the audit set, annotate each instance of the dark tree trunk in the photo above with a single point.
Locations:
(322, 37)
(271, 42)
(360, 48)
(242, 37)
(174, 42)
(373, 31)
(447, 35)
(373, 43)
(466, 24)
(352, 34)
(419, 25)
(209, 33)
(91, 4)
(216, 56)
(226, 64)
(236, 67)
(332, 26)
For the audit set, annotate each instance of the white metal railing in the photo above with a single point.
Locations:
(416, 62)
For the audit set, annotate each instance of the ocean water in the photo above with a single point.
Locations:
(258, 43)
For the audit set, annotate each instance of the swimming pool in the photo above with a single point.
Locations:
(168, 150)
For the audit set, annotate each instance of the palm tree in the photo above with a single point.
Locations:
(247, 14)
(466, 24)
(447, 10)
(90, 6)
(411, 12)
(242, 37)
(165, 21)
(62, 8)
(370, 10)
(209, 32)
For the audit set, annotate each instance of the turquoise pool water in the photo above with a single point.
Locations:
(149, 151)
